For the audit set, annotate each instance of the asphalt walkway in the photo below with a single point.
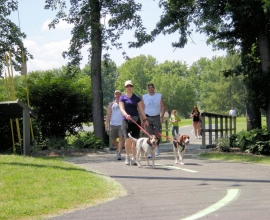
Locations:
(200, 189)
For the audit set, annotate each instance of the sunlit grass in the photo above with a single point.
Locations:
(36, 187)
(265, 160)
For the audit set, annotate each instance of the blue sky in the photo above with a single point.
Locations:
(47, 45)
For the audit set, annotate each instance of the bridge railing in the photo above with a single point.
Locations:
(215, 126)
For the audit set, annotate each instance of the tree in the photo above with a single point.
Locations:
(178, 93)
(141, 70)
(11, 37)
(230, 24)
(86, 16)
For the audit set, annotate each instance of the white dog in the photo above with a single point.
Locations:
(180, 142)
(145, 146)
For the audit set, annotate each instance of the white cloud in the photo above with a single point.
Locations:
(62, 25)
(46, 56)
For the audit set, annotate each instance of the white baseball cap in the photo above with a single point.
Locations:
(128, 82)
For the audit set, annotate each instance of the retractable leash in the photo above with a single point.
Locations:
(140, 127)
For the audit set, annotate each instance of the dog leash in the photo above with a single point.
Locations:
(140, 127)
(183, 146)
(163, 135)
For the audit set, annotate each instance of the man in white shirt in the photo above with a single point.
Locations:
(114, 118)
(232, 112)
(154, 110)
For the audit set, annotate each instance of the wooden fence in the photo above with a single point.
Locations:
(215, 126)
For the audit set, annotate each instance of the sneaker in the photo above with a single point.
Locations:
(196, 137)
(133, 162)
(119, 156)
(157, 151)
(127, 161)
(149, 156)
(200, 137)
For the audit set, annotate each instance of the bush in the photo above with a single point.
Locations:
(89, 140)
(256, 141)
(223, 144)
(56, 143)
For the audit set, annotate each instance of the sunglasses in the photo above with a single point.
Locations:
(129, 86)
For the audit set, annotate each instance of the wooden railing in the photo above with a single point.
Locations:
(215, 126)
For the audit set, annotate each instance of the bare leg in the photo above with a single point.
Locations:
(133, 149)
(195, 130)
(120, 144)
(115, 144)
(128, 146)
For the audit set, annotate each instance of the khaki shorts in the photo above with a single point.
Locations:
(116, 131)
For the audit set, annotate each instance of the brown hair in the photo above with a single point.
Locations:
(194, 108)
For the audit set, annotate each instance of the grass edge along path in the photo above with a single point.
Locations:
(235, 157)
(42, 187)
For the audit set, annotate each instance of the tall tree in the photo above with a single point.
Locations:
(11, 37)
(88, 30)
(226, 23)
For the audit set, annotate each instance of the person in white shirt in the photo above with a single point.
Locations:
(114, 118)
(232, 112)
(154, 110)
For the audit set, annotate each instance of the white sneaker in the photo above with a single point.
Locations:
(127, 161)
(200, 137)
(133, 162)
(196, 137)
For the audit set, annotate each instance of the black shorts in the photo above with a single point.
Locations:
(130, 127)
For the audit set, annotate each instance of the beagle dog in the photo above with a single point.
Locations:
(180, 142)
(145, 146)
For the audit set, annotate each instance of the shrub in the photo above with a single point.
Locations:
(89, 140)
(56, 143)
(256, 141)
(223, 144)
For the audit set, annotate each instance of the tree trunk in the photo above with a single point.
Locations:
(263, 42)
(253, 116)
(96, 50)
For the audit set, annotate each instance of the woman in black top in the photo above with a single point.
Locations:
(196, 117)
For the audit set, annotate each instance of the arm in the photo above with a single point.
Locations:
(108, 117)
(122, 108)
(162, 109)
(141, 110)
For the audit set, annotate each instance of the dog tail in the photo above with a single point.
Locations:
(134, 139)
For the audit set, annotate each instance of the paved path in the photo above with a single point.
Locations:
(200, 189)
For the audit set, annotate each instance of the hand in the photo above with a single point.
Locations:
(128, 117)
(145, 123)
(106, 128)
(161, 120)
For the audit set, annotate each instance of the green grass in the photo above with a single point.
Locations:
(265, 160)
(38, 187)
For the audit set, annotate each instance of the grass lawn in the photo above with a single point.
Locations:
(39, 187)
(264, 160)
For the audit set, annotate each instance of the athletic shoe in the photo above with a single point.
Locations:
(200, 137)
(196, 137)
(157, 151)
(119, 156)
(133, 162)
(149, 156)
(127, 161)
